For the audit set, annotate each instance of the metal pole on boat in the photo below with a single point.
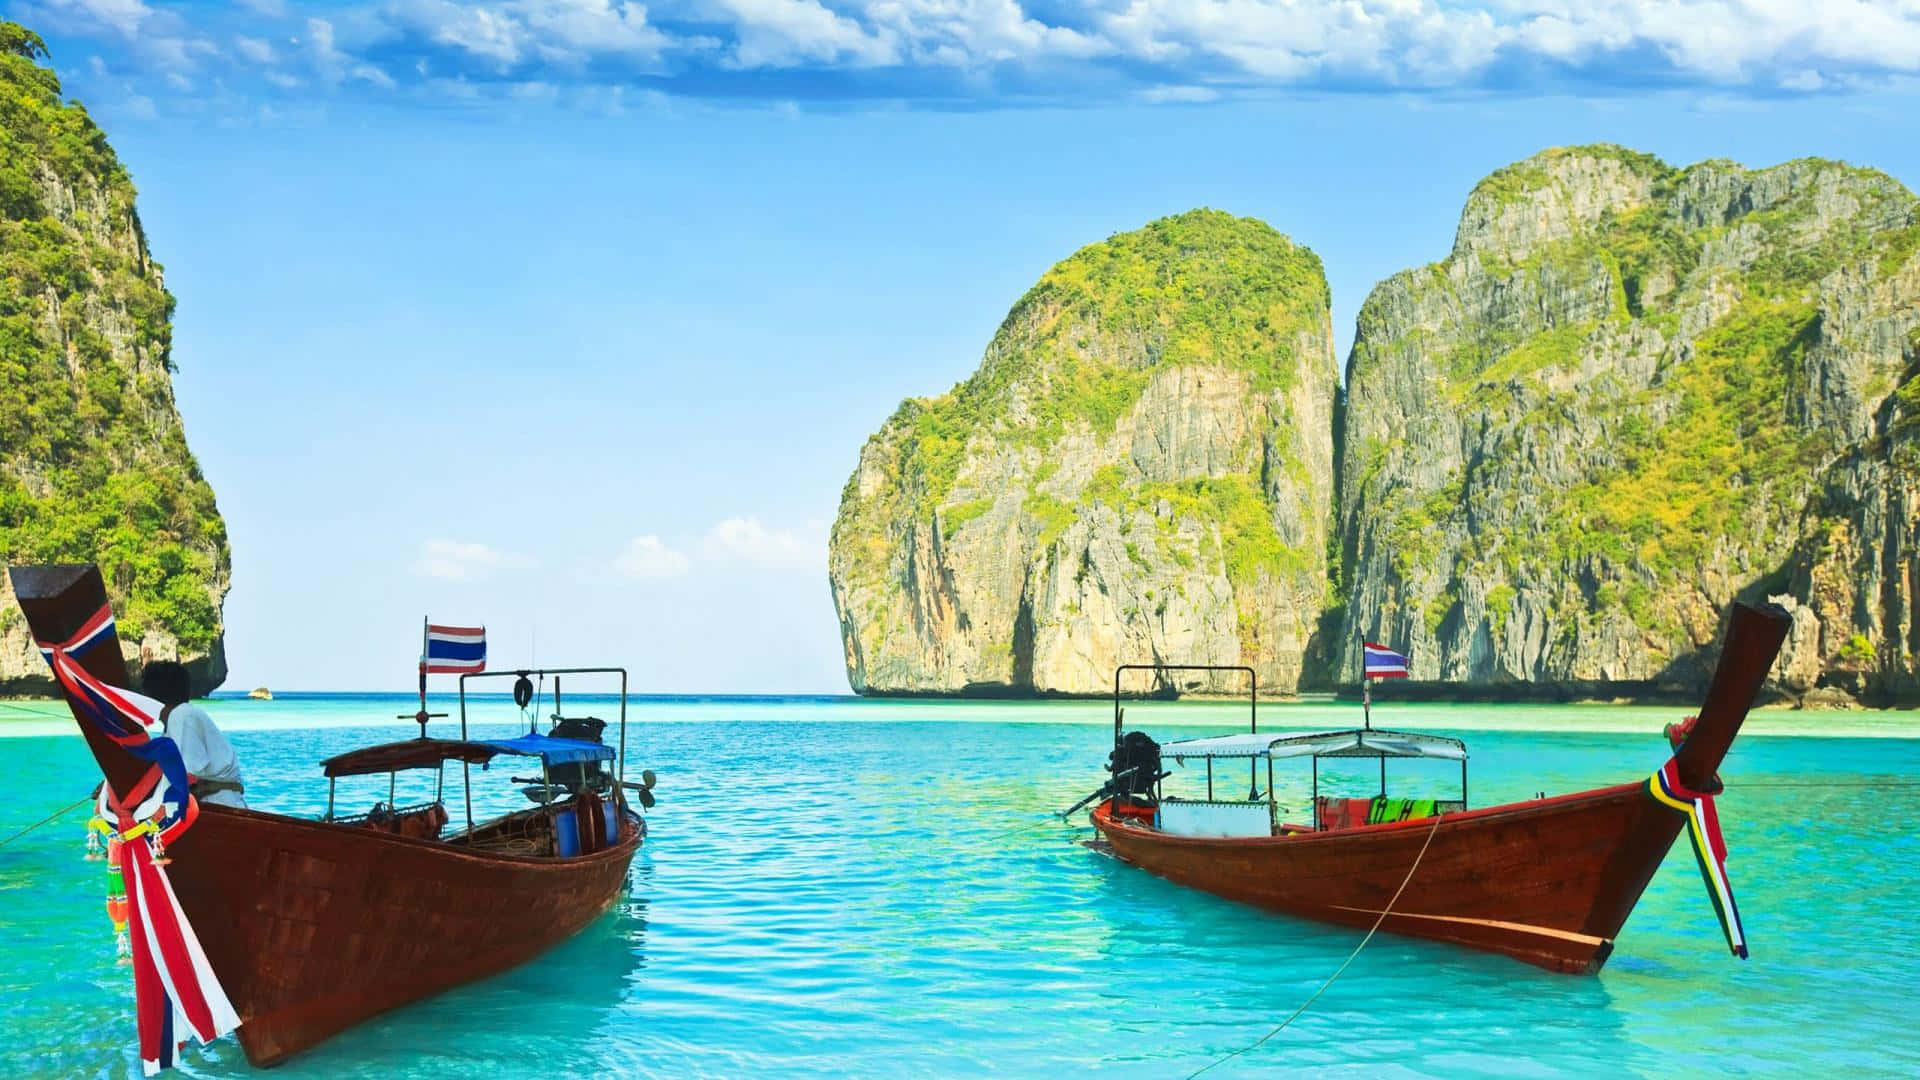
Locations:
(1366, 701)
(622, 775)
(466, 767)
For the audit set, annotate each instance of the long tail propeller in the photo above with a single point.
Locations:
(644, 789)
(1111, 787)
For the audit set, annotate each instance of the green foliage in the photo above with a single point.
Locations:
(93, 464)
(1053, 515)
(1500, 607)
(1909, 398)
(1203, 288)
(1520, 180)
(1858, 650)
(1235, 506)
(957, 515)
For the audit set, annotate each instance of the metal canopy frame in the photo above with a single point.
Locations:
(1253, 688)
(546, 779)
(1253, 713)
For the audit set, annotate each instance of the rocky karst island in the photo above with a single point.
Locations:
(1630, 394)
(1141, 469)
(94, 465)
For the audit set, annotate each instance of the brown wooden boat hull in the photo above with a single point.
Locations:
(1549, 882)
(314, 927)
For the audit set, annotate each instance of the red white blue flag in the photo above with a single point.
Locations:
(1384, 663)
(453, 650)
(175, 990)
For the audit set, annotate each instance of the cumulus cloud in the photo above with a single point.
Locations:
(747, 540)
(122, 16)
(454, 560)
(985, 50)
(257, 50)
(648, 558)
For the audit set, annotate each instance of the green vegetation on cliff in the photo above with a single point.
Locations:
(1200, 288)
(93, 463)
(1145, 441)
(1631, 393)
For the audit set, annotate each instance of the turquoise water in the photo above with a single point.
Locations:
(836, 888)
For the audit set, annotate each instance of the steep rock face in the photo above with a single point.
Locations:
(94, 465)
(1630, 395)
(1140, 470)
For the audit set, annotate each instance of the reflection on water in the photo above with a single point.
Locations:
(825, 894)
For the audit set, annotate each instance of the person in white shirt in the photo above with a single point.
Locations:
(203, 749)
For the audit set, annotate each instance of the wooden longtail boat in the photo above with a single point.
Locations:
(314, 926)
(1549, 881)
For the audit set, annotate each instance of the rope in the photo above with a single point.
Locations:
(45, 820)
(31, 712)
(1743, 785)
(1337, 971)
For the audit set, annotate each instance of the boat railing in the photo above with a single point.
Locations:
(1253, 689)
(1356, 745)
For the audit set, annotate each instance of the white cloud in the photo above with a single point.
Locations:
(789, 33)
(1150, 50)
(124, 16)
(557, 31)
(747, 540)
(257, 50)
(1182, 95)
(646, 558)
(453, 560)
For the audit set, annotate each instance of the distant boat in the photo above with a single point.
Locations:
(1549, 881)
(309, 927)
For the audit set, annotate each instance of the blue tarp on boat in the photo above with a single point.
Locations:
(555, 751)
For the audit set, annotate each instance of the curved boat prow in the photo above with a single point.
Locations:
(1754, 637)
(59, 601)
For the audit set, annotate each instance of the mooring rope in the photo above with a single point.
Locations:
(57, 814)
(1337, 971)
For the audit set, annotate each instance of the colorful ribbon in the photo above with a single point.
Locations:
(174, 987)
(1709, 847)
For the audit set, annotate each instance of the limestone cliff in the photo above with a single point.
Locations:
(1629, 395)
(94, 465)
(1140, 470)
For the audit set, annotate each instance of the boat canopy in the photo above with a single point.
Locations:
(553, 751)
(429, 753)
(1356, 743)
(411, 754)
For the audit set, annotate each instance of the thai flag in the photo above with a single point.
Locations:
(453, 650)
(1384, 663)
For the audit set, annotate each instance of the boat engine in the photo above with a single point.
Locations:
(1135, 765)
(575, 777)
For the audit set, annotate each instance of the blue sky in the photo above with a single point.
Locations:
(571, 316)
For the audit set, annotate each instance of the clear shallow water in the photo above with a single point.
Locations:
(835, 888)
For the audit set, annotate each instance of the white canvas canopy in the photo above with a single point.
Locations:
(1341, 744)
